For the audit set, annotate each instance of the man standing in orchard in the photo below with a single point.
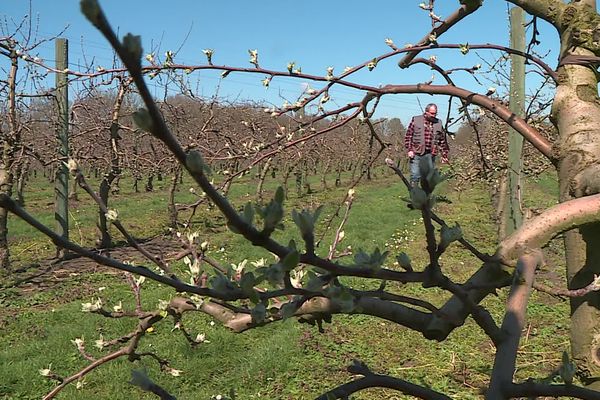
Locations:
(425, 137)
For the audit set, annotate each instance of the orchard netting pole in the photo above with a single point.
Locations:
(61, 183)
(513, 214)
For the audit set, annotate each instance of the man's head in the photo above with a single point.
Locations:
(431, 111)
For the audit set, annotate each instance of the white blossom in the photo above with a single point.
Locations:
(112, 215)
(100, 343)
(201, 338)
(46, 371)
(79, 343)
(91, 307)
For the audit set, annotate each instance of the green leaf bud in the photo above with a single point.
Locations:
(418, 198)
(220, 283)
(143, 120)
(567, 369)
(404, 261)
(449, 235)
(248, 214)
(425, 165)
(434, 178)
(247, 283)
(291, 260)
(315, 282)
(194, 162)
(288, 310)
(259, 313)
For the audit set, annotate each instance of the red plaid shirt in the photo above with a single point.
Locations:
(430, 146)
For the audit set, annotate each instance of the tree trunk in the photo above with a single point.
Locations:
(4, 250)
(576, 113)
(104, 240)
(338, 177)
(324, 173)
(136, 181)
(233, 168)
(5, 187)
(172, 208)
(355, 169)
(22, 175)
(149, 185)
(10, 141)
(261, 180)
(114, 187)
(298, 180)
(307, 188)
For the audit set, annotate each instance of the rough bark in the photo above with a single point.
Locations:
(104, 239)
(5, 188)
(261, 180)
(172, 207)
(513, 324)
(10, 142)
(549, 10)
(325, 170)
(21, 180)
(576, 114)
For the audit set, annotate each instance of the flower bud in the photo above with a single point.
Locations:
(194, 161)
(418, 198)
(143, 120)
(567, 369)
(208, 53)
(112, 215)
(72, 167)
(449, 235)
(404, 261)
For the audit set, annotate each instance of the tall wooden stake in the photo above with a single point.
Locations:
(61, 187)
(514, 214)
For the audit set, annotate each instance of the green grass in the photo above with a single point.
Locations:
(284, 360)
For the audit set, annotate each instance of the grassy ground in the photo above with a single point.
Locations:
(283, 360)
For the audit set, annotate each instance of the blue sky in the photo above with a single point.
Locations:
(314, 34)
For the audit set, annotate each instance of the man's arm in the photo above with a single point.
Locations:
(408, 138)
